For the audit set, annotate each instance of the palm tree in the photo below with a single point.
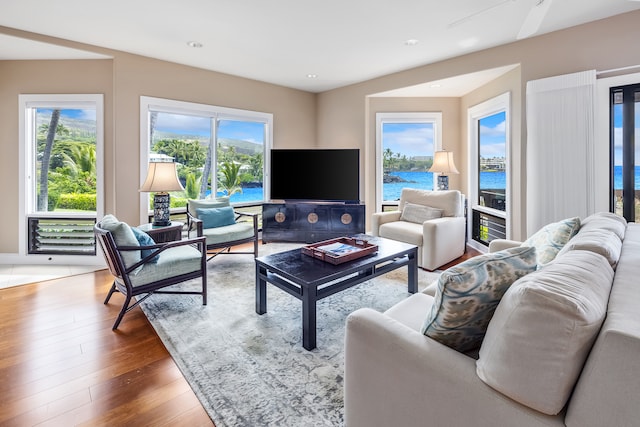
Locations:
(43, 195)
(229, 178)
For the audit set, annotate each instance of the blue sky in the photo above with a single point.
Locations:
(410, 139)
(493, 136)
(70, 113)
(201, 126)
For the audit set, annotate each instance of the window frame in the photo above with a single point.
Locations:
(402, 117)
(498, 104)
(215, 113)
(28, 176)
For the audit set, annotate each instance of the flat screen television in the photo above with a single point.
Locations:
(315, 175)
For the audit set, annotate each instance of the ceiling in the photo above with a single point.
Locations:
(308, 45)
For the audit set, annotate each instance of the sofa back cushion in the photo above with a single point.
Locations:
(450, 201)
(543, 329)
(605, 221)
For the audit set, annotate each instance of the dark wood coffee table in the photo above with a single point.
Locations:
(308, 278)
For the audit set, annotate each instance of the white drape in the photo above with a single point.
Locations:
(560, 147)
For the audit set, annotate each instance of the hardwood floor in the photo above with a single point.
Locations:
(62, 365)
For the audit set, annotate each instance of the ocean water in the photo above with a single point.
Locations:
(391, 191)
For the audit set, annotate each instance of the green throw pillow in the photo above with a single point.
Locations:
(469, 293)
(216, 217)
(551, 238)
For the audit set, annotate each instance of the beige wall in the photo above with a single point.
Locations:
(611, 43)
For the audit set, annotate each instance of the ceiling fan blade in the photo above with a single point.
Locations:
(479, 12)
(534, 19)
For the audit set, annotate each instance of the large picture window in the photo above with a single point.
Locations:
(406, 143)
(219, 151)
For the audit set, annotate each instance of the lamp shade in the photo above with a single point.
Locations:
(443, 163)
(161, 177)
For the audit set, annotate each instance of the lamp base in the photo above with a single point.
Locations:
(443, 182)
(161, 204)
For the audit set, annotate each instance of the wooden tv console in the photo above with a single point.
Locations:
(310, 222)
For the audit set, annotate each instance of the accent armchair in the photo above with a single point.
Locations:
(432, 220)
(140, 266)
(217, 221)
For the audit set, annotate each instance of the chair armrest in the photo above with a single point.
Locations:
(379, 218)
(500, 244)
(254, 217)
(193, 223)
(394, 375)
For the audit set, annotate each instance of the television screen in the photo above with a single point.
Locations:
(320, 174)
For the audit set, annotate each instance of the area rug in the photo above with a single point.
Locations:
(251, 370)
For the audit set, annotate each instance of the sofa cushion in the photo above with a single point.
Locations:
(145, 240)
(600, 241)
(419, 213)
(468, 294)
(216, 217)
(605, 221)
(543, 329)
(123, 236)
(551, 238)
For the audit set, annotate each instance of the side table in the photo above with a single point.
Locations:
(163, 233)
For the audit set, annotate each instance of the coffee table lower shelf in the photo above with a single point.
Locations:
(311, 280)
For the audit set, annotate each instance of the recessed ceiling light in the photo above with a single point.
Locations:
(194, 44)
(410, 42)
(312, 76)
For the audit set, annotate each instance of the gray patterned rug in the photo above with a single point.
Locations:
(251, 370)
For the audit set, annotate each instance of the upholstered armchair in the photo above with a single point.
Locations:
(142, 267)
(432, 220)
(217, 221)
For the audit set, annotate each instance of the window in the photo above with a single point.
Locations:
(219, 151)
(62, 139)
(406, 143)
(625, 153)
(489, 168)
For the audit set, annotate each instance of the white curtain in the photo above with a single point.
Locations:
(560, 147)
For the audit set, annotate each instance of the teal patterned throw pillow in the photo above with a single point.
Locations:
(551, 238)
(469, 293)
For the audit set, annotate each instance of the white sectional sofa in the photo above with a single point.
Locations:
(567, 357)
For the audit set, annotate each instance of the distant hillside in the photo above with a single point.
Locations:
(241, 146)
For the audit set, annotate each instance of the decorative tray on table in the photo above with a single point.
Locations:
(342, 249)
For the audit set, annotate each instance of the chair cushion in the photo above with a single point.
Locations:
(171, 263)
(551, 238)
(543, 329)
(419, 213)
(216, 217)
(193, 205)
(402, 231)
(468, 293)
(145, 240)
(228, 233)
(123, 236)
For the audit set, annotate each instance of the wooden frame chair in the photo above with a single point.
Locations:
(167, 264)
(221, 239)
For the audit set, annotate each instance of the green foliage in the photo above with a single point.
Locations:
(229, 178)
(62, 181)
(52, 200)
(192, 187)
(178, 201)
(77, 202)
(186, 152)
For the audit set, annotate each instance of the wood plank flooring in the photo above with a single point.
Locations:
(62, 365)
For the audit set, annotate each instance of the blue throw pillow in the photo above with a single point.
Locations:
(145, 240)
(216, 217)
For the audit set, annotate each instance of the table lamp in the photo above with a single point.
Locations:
(443, 165)
(162, 177)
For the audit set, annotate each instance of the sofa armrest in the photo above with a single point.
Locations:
(501, 244)
(394, 375)
(379, 218)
